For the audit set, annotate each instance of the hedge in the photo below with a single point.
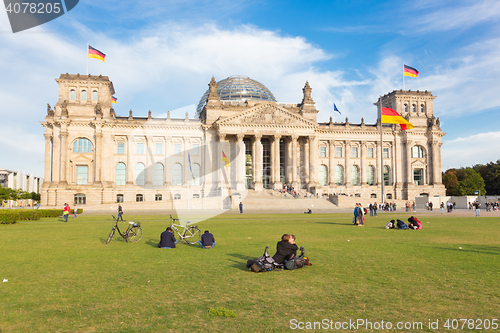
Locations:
(11, 216)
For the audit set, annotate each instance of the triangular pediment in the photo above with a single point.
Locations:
(81, 159)
(266, 114)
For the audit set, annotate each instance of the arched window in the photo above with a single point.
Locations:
(82, 145)
(417, 152)
(354, 175)
(323, 175)
(119, 198)
(95, 95)
(386, 175)
(177, 174)
(339, 175)
(414, 108)
(370, 175)
(120, 174)
(158, 178)
(406, 107)
(195, 177)
(80, 199)
(84, 95)
(139, 174)
(72, 94)
(422, 108)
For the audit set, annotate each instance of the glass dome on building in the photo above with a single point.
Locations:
(238, 89)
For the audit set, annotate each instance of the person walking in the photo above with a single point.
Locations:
(75, 208)
(120, 213)
(66, 211)
(241, 207)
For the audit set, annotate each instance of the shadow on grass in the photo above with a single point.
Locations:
(240, 264)
(151, 242)
(494, 250)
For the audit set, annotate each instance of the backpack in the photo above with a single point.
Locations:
(264, 263)
(298, 262)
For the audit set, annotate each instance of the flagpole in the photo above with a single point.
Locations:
(381, 152)
(403, 77)
(87, 59)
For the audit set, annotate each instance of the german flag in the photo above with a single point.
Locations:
(389, 116)
(225, 160)
(95, 53)
(113, 99)
(410, 71)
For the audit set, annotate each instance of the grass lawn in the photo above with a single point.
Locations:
(62, 277)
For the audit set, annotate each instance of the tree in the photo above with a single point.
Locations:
(471, 183)
(450, 181)
(491, 175)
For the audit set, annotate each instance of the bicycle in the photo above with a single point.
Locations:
(191, 234)
(132, 234)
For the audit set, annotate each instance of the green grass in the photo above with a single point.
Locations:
(62, 277)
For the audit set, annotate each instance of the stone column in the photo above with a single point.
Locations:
(331, 165)
(47, 165)
(362, 155)
(207, 169)
(347, 168)
(64, 155)
(276, 158)
(409, 173)
(130, 167)
(288, 161)
(313, 161)
(295, 156)
(169, 152)
(257, 162)
(436, 162)
(56, 156)
(306, 161)
(378, 174)
(240, 162)
(222, 164)
(98, 156)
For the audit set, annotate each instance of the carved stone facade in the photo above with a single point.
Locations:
(96, 157)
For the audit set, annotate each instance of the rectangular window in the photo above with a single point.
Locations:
(159, 149)
(354, 151)
(196, 149)
(322, 151)
(418, 177)
(140, 148)
(177, 149)
(158, 197)
(338, 152)
(370, 152)
(121, 148)
(82, 174)
(386, 152)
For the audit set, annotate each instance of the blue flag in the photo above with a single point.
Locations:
(335, 108)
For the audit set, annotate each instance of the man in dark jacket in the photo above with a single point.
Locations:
(286, 249)
(167, 239)
(207, 240)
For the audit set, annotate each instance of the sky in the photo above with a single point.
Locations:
(161, 56)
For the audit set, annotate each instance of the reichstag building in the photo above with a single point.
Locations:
(241, 140)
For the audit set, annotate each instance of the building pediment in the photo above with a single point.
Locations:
(83, 159)
(268, 115)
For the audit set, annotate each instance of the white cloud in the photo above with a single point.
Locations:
(468, 151)
(459, 15)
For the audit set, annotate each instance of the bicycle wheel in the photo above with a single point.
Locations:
(111, 234)
(134, 234)
(192, 235)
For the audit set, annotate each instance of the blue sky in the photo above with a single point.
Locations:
(161, 56)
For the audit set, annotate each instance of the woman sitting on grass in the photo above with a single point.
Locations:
(414, 223)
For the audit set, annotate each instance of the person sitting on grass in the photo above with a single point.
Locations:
(167, 239)
(401, 225)
(286, 249)
(414, 223)
(207, 240)
(390, 225)
(309, 211)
